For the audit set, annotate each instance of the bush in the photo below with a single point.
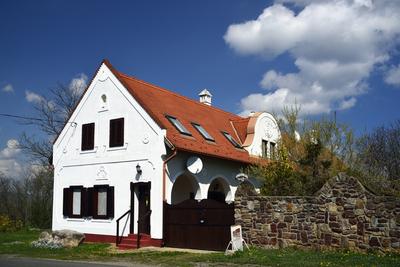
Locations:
(9, 225)
(279, 177)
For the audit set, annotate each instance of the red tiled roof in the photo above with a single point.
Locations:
(159, 102)
(241, 128)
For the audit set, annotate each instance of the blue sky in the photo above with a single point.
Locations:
(252, 55)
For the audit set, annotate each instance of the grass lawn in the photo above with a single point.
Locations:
(18, 243)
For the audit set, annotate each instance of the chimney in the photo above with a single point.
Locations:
(205, 97)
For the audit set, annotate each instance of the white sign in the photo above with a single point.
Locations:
(236, 237)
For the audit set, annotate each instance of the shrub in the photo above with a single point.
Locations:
(9, 225)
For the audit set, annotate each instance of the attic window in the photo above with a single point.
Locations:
(272, 150)
(87, 142)
(116, 132)
(178, 125)
(230, 138)
(203, 132)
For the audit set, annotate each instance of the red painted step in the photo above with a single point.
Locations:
(130, 242)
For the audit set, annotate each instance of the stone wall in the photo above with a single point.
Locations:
(343, 214)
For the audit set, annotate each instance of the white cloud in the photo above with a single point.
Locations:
(10, 150)
(8, 88)
(9, 164)
(393, 76)
(347, 103)
(335, 45)
(78, 84)
(32, 97)
(10, 167)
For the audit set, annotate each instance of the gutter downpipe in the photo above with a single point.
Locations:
(164, 171)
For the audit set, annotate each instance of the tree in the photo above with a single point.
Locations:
(378, 161)
(52, 113)
(279, 177)
(32, 194)
(304, 164)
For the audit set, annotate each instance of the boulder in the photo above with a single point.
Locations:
(59, 239)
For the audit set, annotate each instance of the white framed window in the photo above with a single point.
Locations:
(76, 202)
(102, 202)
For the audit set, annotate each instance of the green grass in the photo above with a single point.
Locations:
(254, 256)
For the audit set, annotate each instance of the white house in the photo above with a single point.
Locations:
(137, 157)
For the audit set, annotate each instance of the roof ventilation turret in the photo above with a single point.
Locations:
(205, 97)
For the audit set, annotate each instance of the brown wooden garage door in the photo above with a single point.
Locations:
(198, 225)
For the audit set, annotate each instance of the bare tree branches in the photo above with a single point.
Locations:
(40, 151)
(52, 113)
(379, 151)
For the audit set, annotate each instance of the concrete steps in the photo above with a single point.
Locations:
(130, 242)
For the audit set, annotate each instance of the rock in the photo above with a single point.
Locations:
(288, 218)
(59, 239)
(359, 204)
(282, 225)
(304, 237)
(359, 212)
(332, 208)
(394, 233)
(360, 228)
(45, 235)
(344, 242)
(374, 242)
(250, 205)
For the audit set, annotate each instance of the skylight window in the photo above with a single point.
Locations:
(203, 132)
(178, 125)
(233, 141)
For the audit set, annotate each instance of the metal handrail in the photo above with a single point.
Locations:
(117, 241)
(138, 228)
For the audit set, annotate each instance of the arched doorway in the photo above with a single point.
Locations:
(185, 187)
(219, 190)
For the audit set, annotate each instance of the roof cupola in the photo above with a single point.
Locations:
(205, 97)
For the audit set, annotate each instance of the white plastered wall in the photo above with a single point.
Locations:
(213, 168)
(266, 128)
(143, 145)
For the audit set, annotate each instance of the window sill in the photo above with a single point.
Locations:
(103, 109)
(124, 147)
(75, 219)
(89, 151)
(101, 220)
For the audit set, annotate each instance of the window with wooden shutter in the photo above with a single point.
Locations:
(110, 202)
(66, 202)
(74, 201)
(88, 211)
(87, 137)
(117, 132)
(103, 202)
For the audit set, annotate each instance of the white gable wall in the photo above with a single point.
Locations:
(266, 128)
(144, 145)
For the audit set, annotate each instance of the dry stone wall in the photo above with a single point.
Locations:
(343, 214)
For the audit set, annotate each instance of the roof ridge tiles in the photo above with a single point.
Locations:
(181, 96)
